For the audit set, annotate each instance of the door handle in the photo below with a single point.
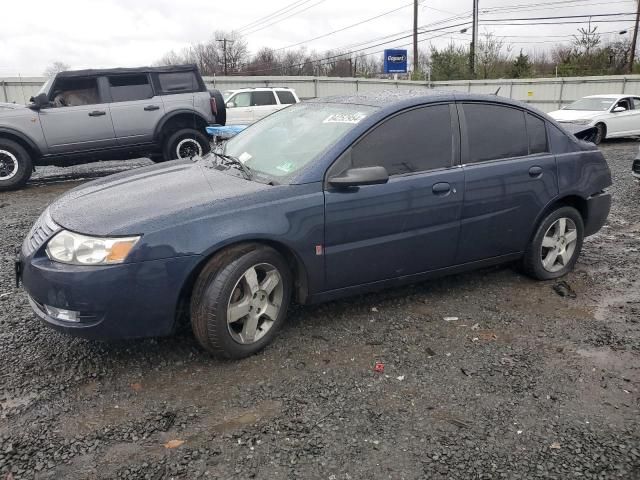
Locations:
(441, 188)
(97, 113)
(151, 108)
(535, 172)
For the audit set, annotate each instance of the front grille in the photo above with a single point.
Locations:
(42, 230)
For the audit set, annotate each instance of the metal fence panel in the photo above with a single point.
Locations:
(544, 93)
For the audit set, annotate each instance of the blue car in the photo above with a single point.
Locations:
(323, 199)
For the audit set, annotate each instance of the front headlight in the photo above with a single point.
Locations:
(584, 121)
(69, 247)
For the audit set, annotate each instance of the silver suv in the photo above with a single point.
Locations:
(87, 115)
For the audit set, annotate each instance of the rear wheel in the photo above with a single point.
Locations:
(186, 143)
(15, 165)
(601, 133)
(240, 300)
(554, 249)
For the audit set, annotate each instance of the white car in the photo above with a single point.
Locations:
(249, 105)
(613, 115)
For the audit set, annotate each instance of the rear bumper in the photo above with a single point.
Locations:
(113, 302)
(598, 207)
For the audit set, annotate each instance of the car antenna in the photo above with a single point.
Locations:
(496, 92)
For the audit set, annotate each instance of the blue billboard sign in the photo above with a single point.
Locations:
(395, 61)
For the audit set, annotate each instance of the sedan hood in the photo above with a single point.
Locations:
(136, 202)
(571, 115)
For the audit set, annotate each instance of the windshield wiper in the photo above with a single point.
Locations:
(234, 161)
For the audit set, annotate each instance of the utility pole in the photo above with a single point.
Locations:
(415, 37)
(224, 52)
(474, 39)
(635, 38)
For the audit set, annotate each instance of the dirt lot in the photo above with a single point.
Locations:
(524, 384)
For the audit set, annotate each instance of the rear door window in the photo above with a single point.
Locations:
(636, 103)
(260, 99)
(178, 82)
(126, 88)
(537, 132)
(285, 97)
(417, 140)
(495, 132)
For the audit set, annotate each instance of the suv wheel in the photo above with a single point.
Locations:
(240, 300)
(15, 165)
(186, 143)
(555, 247)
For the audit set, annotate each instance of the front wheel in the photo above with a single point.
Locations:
(555, 247)
(15, 165)
(601, 133)
(240, 300)
(186, 143)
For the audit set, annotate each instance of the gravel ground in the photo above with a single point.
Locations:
(524, 384)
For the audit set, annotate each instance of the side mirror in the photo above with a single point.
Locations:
(356, 177)
(230, 105)
(39, 101)
(619, 109)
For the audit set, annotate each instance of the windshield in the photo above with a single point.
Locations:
(283, 143)
(226, 94)
(592, 104)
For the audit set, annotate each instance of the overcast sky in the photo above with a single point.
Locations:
(111, 33)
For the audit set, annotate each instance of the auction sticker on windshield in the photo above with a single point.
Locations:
(344, 117)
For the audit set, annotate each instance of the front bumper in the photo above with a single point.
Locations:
(114, 302)
(598, 207)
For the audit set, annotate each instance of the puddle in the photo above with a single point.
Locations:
(11, 403)
(604, 308)
(265, 410)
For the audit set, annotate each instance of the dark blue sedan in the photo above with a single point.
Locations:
(326, 198)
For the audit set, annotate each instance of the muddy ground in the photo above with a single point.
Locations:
(524, 384)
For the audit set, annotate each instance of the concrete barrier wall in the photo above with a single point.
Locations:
(544, 93)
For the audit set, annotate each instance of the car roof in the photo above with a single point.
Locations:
(254, 89)
(400, 98)
(612, 95)
(118, 71)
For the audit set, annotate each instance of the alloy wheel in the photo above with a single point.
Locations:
(559, 244)
(188, 148)
(255, 303)
(8, 165)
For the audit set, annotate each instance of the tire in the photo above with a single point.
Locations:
(539, 261)
(186, 143)
(221, 106)
(223, 283)
(157, 158)
(15, 165)
(601, 133)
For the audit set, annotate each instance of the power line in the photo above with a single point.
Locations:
(557, 17)
(345, 28)
(247, 33)
(344, 54)
(272, 15)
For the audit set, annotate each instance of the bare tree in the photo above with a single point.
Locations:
(490, 55)
(54, 68)
(265, 62)
(237, 51)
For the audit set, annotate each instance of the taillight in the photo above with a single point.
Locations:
(214, 106)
